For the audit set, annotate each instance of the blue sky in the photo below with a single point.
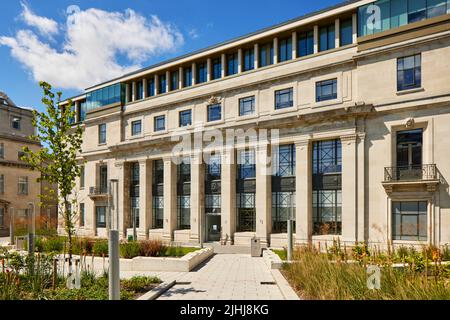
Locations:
(36, 40)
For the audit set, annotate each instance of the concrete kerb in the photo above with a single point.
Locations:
(143, 264)
(155, 293)
(272, 260)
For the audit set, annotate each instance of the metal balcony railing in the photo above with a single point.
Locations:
(98, 191)
(423, 172)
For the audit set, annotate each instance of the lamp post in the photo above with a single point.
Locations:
(11, 225)
(31, 232)
(113, 242)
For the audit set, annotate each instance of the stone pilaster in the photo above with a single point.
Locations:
(145, 198)
(263, 194)
(349, 187)
(170, 199)
(275, 50)
(197, 198)
(228, 185)
(303, 193)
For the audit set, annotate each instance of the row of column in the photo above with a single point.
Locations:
(353, 206)
(240, 61)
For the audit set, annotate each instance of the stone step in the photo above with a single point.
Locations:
(228, 249)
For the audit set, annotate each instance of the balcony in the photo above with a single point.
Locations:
(98, 192)
(424, 177)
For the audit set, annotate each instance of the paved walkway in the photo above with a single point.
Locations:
(226, 277)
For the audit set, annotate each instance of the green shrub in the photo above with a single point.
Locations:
(53, 244)
(140, 284)
(152, 248)
(446, 253)
(100, 248)
(129, 250)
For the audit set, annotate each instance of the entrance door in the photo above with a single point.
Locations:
(213, 225)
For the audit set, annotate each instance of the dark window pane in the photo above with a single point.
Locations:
(247, 106)
(326, 90)
(160, 123)
(185, 118)
(284, 98)
(214, 112)
(346, 36)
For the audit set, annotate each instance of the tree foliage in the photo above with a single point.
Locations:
(57, 160)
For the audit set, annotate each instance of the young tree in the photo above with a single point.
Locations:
(57, 159)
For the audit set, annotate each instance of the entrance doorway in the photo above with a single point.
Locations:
(213, 227)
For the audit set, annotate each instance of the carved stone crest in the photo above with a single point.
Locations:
(214, 100)
(410, 123)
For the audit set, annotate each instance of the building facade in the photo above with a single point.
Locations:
(18, 186)
(358, 97)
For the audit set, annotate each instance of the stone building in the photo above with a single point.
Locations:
(19, 189)
(360, 96)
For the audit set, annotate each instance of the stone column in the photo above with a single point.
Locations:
(275, 50)
(303, 191)
(194, 74)
(145, 198)
(197, 198)
(168, 80)
(209, 70)
(240, 68)
(133, 92)
(263, 194)
(170, 199)
(123, 176)
(256, 54)
(127, 93)
(355, 27)
(294, 45)
(224, 63)
(145, 87)
(180, 78)
(156, 84)
(228, 195)
(337, 33)
(316, 39)
(361, 215)
(349, 188)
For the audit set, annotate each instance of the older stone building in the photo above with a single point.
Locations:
(19, 190)
(360, 95)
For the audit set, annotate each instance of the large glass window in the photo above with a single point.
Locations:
(151, 87)
(2, 151)
(102, 133)
(202, 72)
(212, 185)
(327, 212)
(283, 208)
(246, 212)
(409, 154)
(2, 184)
(214, 112)
(409, 75)
(140, 90)
(82, 177)
(162, 84)
(136, 127)
(327, 194)
(285, 49)
(2, 217)
(249, 59)
(266, 54)
(103, 179)
(396, 13)
(187, 77)
(284, 98)
(105, 96)
(326, 90)
(23, 185)
(82, 111)
(284, 161)
(82, 215)
(160, 123)
(346, 32)
(184, 194)
(246, 164)
(232, 64)
(100, 215)
(158, 194)
(185, 118)
(134, 194)
(247, 106)
(217, 68)
(327, 37)
(409, 221)
(305, 43)
(174, 80)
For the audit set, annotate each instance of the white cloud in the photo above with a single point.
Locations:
(45, 26)
(94, 39)
(193, 33)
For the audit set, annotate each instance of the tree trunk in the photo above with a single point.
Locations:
(69, 231)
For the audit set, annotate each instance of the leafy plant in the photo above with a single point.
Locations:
(100, 248)
(129, 250)
(152, 248)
